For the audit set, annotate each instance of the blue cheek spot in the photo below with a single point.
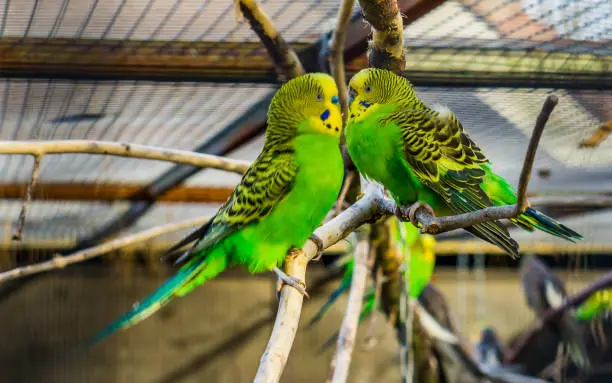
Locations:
(335, 100)
(365, 104)
(325, 115)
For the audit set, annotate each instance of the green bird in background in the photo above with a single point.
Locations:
(406, 241)
(423, 155)
(282, 198)
(597, 304)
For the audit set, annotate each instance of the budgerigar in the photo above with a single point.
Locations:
(406, 240)
(424, 158)
(596, 304)
(282, 198)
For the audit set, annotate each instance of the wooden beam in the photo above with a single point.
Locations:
(88, 192)
(137, 60)
(249, 63)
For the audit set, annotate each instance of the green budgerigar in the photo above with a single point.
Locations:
(424, 157)
(598, 303)
(281, 199)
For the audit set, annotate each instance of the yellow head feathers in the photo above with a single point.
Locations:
(373, 86)
(307, 104)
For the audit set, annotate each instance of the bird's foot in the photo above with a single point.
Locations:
(284, 279)
(317, 241)
(402, 214)
(359, 196)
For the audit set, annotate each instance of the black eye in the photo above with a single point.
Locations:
(368, 89)
(320, 97)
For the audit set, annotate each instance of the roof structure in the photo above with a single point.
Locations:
(185, 74)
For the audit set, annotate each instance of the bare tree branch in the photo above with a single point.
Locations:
(39, 148)
(59, 262)
(436, 225)
(28, 197)
(284, 58)
(336, 54)
(348, 329)
(345, 188)
(285, 326)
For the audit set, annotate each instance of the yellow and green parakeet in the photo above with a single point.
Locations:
(597, 304)
(423, 155)
(279, 202)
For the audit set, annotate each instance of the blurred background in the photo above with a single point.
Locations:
(185, 74)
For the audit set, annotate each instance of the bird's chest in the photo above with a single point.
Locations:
(375, 151)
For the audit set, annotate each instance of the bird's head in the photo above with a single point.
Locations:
(306, 104)
(371, 86)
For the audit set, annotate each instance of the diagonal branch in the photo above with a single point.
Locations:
(120, 149)
(437, 225)
(59, 262)
(553, 314)
(284, 58)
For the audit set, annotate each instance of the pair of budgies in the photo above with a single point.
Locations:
(393, 138)
(406, 242)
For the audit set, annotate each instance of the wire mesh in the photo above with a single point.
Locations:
(183, 115)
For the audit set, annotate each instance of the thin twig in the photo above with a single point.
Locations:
(345, 188)
(38, 148)
(406, 318)
(28, 197)
(59, 262)
(437, 225)
(348, 330)
(336, 54)
(605, 281)
(285, 326)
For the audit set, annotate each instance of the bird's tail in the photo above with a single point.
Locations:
(533, 219)
(195, 272)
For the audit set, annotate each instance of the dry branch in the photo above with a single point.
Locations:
(59, 262)
(28, 197)
(348, 330)
(336, 54)
(290, 307)
(185, 157)
(284, 58)
(436, 225)
(387, 46)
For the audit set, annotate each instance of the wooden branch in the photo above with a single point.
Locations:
(598, 136)
(336, 54)
(111, 192)
(283, 56)
(285, 326)
(39, 148)
(387, 46)
(28, 197)
(406, 314)
(437, 225)
(553, 314)
(59, 262)
(348, 330)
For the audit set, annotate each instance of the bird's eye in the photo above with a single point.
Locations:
(368, 89)
(320, 97)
